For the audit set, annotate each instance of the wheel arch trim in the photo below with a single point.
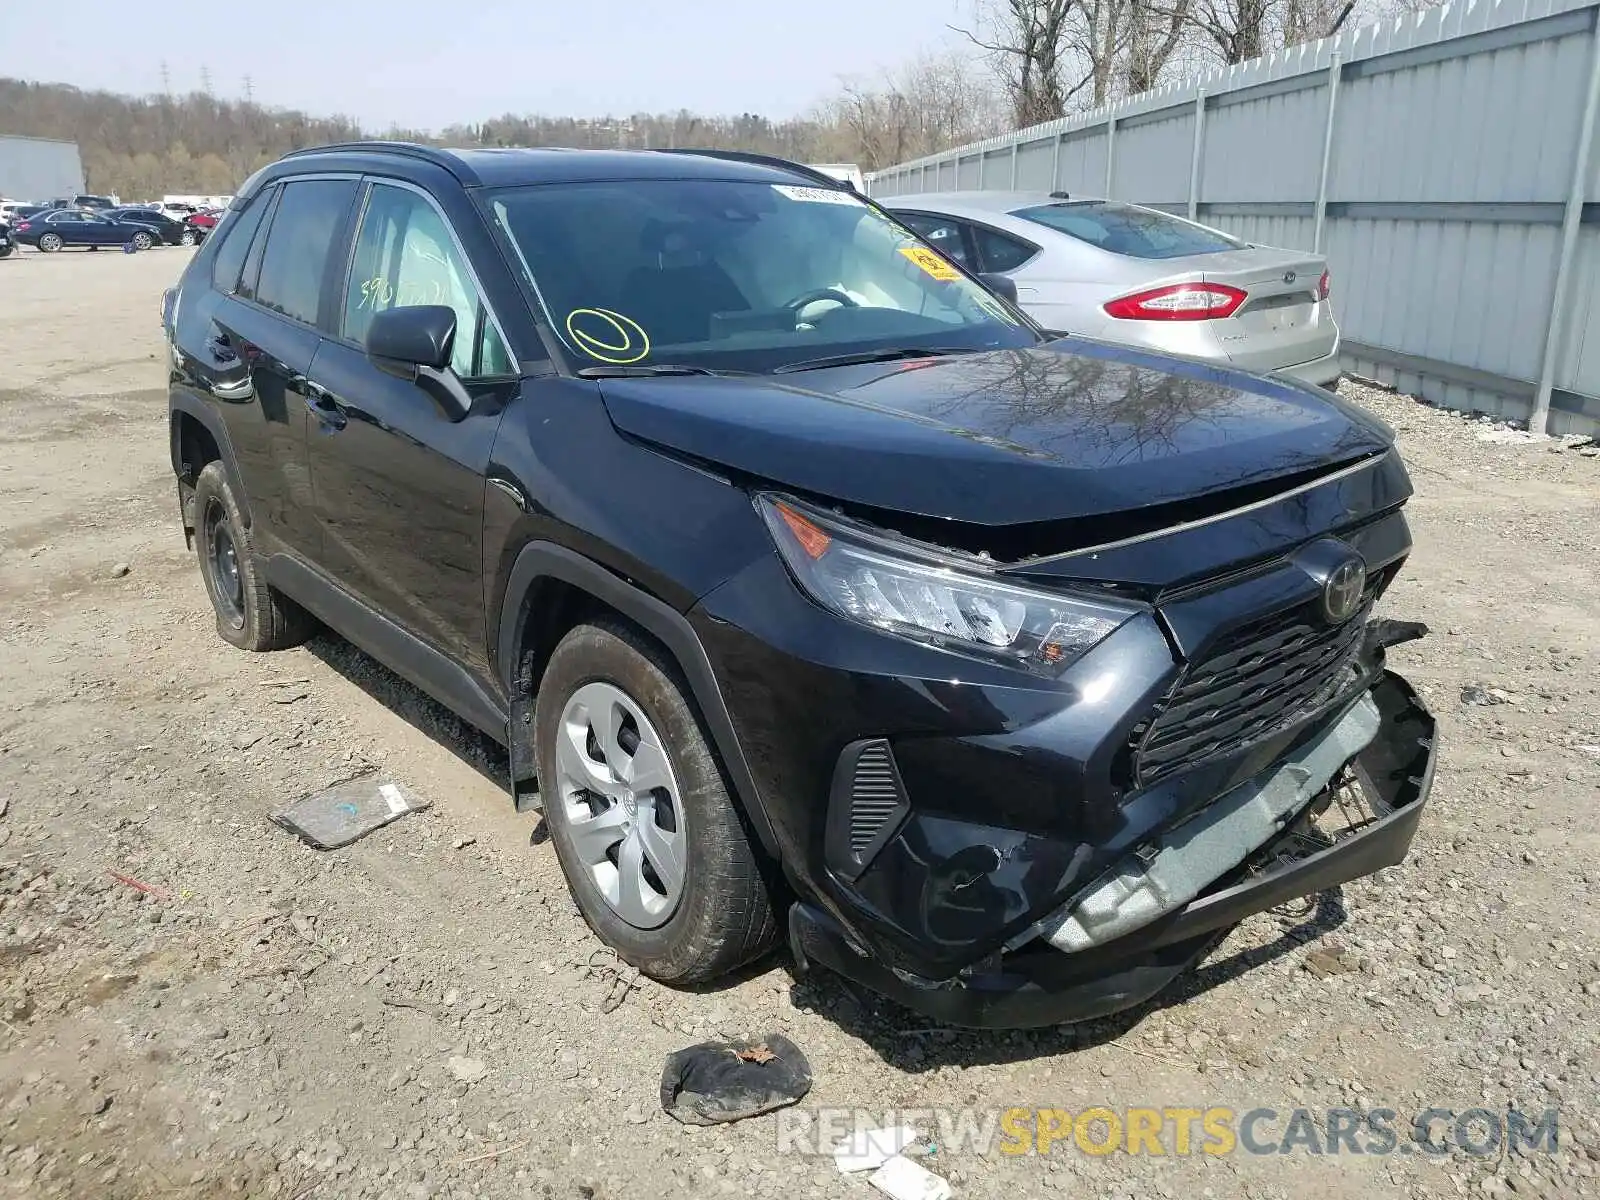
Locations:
(547, 560)
(180, 405)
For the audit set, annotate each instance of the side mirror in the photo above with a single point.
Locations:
(1001, 285)
(414, 342)
(414, 335)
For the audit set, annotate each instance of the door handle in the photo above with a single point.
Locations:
(324, 407)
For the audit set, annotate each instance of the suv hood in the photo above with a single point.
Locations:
(1059, 432)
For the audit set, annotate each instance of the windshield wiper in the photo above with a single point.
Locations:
(871, 356)
(642, 370)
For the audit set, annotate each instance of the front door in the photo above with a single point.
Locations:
(97, 231)
(398, 486)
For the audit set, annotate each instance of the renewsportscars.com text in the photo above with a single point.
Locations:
(1179, 1130)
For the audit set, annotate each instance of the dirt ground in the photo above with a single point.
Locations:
(425, 1014)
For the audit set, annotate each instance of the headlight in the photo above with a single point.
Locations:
(877, 583)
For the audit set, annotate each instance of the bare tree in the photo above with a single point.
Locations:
(1155, 34)
(929, 105)
(1028, 41)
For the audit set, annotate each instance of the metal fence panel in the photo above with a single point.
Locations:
(1460, 151)
(1153, 159)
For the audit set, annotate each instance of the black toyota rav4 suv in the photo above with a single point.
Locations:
(807, 582)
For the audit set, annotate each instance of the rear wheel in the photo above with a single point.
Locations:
(186, 238)
(49, 242)
(250, 614)
(652, 846)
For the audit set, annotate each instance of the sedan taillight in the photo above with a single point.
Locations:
(1178, 302)
(1323, 285)
(23, 226)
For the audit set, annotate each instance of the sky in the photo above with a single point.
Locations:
(423, 64)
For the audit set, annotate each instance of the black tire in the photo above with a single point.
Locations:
(50, 242)
(725, 916)
(5, 251)
(143, 241)
(250, 614)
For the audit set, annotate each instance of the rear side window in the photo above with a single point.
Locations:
(940, 232)
(295, 260)
(1129, 230)
(998, 251)
(235, 238)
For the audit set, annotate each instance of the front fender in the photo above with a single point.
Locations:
(546, 560)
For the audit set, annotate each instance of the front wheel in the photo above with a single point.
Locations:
(142, 241)
(652, 846)
(49, 242)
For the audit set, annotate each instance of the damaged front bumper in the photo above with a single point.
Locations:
(1143, 927)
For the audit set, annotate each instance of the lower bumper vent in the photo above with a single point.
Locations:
(866, 804)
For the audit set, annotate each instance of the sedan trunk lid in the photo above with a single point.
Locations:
(1283, 322)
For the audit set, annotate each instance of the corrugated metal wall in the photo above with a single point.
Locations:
(1442, 162)
(36, 169)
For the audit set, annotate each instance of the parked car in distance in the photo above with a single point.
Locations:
(204, 219)
(21, 212)
(7, 244)
(97, 203)
(789, 561)
(1125, 273)
(173, 233)
(58, 228)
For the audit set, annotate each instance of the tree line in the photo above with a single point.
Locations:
(1035, 60)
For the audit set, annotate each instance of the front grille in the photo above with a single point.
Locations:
(1262, 678)
(874, 794)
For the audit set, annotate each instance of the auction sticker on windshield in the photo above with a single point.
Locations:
(930, 262)
(813, 195)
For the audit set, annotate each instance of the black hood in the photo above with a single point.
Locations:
(1061, 432)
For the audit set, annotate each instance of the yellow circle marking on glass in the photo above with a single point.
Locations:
(633, 345)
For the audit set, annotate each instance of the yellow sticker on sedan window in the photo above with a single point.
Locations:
(930, 262)
(607, 335)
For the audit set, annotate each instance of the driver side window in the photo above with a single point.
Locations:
(405, 255)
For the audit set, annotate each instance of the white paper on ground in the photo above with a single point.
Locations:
(868, 1148)
(905, 1180)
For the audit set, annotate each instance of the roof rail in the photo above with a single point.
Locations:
(431, 154)
(766, 160)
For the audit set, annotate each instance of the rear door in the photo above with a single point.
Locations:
(70, 228)
(252, 338)
(399, 487)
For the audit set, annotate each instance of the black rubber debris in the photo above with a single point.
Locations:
(716, 1082)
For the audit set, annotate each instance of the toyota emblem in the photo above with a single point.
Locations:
(1341, 594)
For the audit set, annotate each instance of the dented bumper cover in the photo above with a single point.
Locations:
(1129, 932)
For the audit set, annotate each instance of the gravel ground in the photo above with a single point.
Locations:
(425, 1014)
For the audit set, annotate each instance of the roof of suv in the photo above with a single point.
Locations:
(511, 166)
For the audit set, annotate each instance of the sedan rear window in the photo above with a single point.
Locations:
(1128, 229)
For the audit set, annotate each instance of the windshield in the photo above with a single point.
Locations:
(737, 276)
(1128, 229)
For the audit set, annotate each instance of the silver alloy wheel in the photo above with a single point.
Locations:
(622, 804)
